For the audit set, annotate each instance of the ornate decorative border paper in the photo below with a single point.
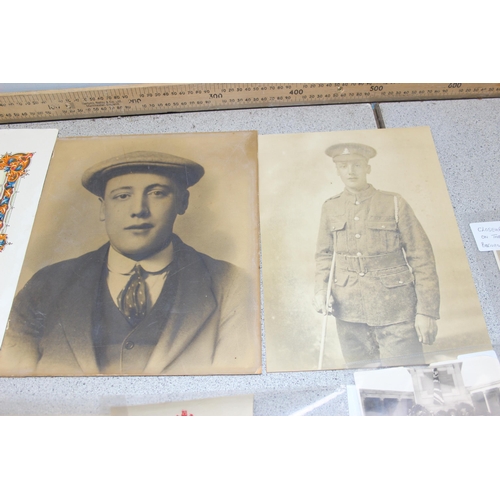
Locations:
(26, 154)
(13, 167)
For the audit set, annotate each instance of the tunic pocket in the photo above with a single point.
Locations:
(337, 224)
(343, 277)
(337, 227)
(383, 236)
(401, 278)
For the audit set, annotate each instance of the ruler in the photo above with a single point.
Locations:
(126, 100)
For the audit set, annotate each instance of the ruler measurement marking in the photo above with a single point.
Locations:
(153, 99)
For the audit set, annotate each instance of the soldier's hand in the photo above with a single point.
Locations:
(426, 329)
(319, 303)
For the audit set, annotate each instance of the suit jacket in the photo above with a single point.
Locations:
(210, 324)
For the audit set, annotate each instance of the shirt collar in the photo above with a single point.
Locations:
(118, 263)
(361, 195)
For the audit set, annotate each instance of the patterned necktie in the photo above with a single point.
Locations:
(132, 300)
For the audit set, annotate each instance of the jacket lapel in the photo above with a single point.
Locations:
(192, 306)
(77, 309)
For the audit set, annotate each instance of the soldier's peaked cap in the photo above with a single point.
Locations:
(187, 171)
(350, 151)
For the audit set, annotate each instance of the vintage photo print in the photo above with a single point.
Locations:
(363, 264)
(467, 386)
(143, 260)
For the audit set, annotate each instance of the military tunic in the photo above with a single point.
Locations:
(384, 270)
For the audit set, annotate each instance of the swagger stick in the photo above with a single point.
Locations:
(325, 313)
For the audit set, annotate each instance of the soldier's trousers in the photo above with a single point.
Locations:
(363, 345)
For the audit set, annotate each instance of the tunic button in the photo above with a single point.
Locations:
(356, 202)
(400, 282)
(361, 274)
(356, 218)
(357, 236)
(129, 345)
(335, 280)
(359, 254)
(383, 227)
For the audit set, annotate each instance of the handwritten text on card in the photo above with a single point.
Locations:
(487, 235)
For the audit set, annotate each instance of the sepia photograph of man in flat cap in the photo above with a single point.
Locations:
(145, 301)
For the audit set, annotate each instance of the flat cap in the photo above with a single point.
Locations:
(350, 151)
(186, 171)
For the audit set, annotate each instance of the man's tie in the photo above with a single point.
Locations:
(132, 300)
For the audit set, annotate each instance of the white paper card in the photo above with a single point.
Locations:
(487, 235)
(24, 160)
(231, 406)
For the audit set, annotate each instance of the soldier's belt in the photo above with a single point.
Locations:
(364, 264)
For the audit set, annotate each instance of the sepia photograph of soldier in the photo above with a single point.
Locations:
(375, 267)
(376, 275)
(143, 302)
